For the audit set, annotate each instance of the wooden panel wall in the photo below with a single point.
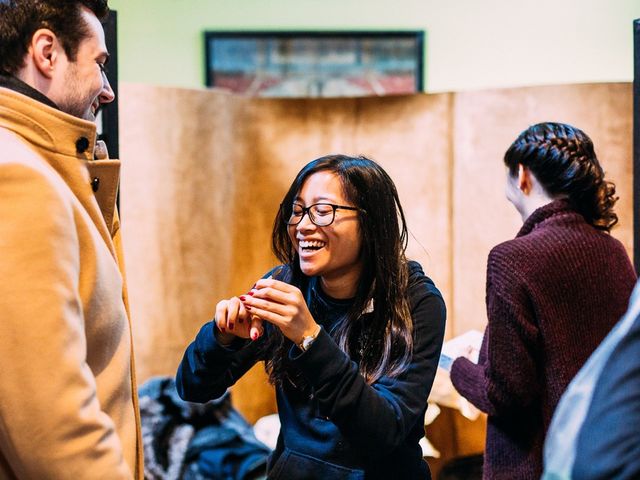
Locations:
(203, 174)
(485, 125)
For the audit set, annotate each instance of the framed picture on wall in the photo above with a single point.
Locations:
(315, 64)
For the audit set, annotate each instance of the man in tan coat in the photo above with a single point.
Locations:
(68, 400)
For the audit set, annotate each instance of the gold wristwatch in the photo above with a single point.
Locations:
(307, 341)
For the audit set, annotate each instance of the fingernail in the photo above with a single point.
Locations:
(240, 320)
(222, 329)
(254, 335)
(231, 326)
(250, 293)
(247, 307)
(242, 298)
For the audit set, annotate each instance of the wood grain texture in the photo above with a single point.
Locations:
(204, 172)
(485, 124)
(203, 175)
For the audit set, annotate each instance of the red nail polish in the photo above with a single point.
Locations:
(254, 336)
(242, 298)
(222, 329)
(231, 326)
(250, 293)
(240, 320)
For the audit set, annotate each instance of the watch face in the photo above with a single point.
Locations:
(306, 342)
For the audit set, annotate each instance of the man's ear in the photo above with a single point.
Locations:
(45, 51)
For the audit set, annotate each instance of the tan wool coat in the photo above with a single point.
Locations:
(68, 399)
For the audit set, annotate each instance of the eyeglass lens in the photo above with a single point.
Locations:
(321, 214)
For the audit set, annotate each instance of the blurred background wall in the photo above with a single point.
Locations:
(204, 171)
(470, 44)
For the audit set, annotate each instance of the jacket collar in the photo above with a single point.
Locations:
(17, 85)
(67, 144)
(46, 127)
(541, 214)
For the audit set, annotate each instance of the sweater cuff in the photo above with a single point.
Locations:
(468, 379)
(237, 343)
(464, 375)
(323, 352)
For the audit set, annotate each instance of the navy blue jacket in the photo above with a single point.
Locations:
(344, 429)
(609, 442)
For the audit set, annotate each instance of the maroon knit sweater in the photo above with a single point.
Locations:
(553, 293)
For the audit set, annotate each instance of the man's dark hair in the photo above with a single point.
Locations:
(20, 19)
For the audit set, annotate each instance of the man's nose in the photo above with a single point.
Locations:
(106, 95)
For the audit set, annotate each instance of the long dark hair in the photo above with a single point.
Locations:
(20, 19)
(563, 160)
(382, 340)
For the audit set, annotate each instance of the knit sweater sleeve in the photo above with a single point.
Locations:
(470, 379)
(506, 378)
(377, 417)
(208, 368)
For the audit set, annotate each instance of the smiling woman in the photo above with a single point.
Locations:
(327, 247)
(349, 329)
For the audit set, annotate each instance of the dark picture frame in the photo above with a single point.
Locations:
(315, 64)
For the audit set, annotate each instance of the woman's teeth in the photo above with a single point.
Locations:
(311, 245)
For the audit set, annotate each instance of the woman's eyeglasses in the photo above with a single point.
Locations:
(320, 214)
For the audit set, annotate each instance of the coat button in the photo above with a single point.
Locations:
(82, 144)
(95, 184)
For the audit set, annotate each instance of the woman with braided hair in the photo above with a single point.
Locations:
(553, 293)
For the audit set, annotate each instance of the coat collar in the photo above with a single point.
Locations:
(541, 214)
(17, 85)
(46, 127)
(67, 144)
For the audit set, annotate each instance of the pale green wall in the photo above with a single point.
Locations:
(470, 43)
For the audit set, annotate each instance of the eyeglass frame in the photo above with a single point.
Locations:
(307, 211)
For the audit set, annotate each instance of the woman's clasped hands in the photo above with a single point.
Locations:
(270, 300)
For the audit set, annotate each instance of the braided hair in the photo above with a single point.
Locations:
(563, 160)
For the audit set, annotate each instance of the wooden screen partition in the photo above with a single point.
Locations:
(203, 174)
(485, 125)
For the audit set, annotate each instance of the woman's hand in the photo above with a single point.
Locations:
(282, 305)
(232, 320)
